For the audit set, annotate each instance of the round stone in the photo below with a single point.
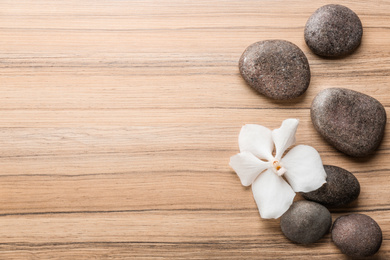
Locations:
(340, 189)
(275, 68)
(333, 31)
(352, 122)
(357, 235)
(305, 222)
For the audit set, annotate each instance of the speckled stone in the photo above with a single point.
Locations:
(352, 122)
(275, 68)
(305, 222)
(357, 235)
(333, 31)
(340, 189)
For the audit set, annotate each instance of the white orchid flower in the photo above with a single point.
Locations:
(255, 164)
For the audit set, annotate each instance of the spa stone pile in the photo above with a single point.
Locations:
(352, 122)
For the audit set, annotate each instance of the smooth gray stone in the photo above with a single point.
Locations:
(340, 189)
(357, 235)
(333, 31)
(277, 69)
(352, 122)
(305, 222)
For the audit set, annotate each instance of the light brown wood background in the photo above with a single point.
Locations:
(118, 118)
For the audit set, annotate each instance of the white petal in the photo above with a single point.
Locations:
(305, 171)
(247, 166)
(284, 136)
(256, 139)
(272, 194)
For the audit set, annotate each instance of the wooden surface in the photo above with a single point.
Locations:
(118, 118)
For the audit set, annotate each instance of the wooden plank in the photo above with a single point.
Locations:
(118, 118)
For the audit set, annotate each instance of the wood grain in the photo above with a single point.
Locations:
(118, 118)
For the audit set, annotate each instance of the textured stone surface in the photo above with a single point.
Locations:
(333, 31)
(357, 235)
(341, 188)
(275, 68)
(351, 121)
(305, 222)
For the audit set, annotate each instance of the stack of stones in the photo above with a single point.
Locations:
(353, 122)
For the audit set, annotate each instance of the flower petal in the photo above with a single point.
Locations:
(247, 166)
(256, 139)
(284, 136)
(305, 171)
(272, 194)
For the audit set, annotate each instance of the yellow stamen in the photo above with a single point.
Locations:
(278, 169)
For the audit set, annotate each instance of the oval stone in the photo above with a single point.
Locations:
(357, 235)
(352, 122)
(340, 189)
(333, 31)
(305, 222)
(275, 68)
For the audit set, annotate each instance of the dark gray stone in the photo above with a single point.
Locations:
(357, 235)
(305, 222)
(341, 188)
(352, 122)
(333, 31)
(275, 68)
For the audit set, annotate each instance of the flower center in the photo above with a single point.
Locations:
(278, 168)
